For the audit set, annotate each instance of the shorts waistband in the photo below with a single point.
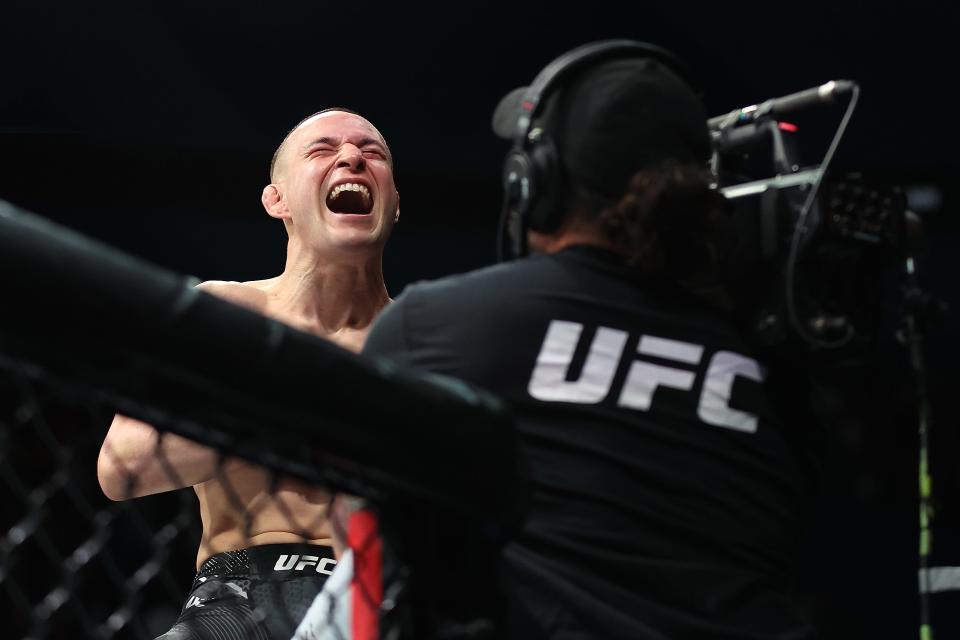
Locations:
(270, 560)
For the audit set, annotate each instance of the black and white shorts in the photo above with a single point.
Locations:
(260, 593)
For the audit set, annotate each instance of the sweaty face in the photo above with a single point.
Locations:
(337, 180)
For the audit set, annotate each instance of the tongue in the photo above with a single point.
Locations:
(349, 202)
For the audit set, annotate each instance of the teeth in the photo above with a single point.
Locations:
(351, 186)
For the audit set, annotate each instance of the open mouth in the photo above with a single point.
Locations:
(350, 197)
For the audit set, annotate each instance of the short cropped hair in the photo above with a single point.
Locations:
(279, 149)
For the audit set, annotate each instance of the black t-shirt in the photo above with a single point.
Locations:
(667, 497)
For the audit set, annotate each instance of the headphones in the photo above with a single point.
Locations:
(532, 171)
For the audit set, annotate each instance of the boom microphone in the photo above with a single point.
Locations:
(826, 93)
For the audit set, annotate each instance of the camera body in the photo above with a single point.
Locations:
(814, 250)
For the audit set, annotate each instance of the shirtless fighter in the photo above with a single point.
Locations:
(261, 562)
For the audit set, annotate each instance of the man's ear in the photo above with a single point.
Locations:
(274, 202)
(396, 217)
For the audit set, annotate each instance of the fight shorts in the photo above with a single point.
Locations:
(260, 593)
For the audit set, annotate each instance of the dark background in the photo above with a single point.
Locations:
(150, 125)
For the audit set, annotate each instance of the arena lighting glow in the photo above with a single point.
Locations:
(924, 198)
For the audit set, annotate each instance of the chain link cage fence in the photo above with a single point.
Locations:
(88, 332)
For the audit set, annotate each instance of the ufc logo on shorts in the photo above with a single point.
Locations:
(287, 562)
(549, 380)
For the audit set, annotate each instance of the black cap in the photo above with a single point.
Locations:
(613, 119)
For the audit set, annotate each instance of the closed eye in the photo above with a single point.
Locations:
(321, 146)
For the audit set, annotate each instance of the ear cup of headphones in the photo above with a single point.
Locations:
(516, 181)
(543, 211)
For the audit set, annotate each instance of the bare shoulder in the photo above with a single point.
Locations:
(245, 294)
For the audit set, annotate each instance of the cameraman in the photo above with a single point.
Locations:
(667, 496)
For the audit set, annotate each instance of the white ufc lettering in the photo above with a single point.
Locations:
(714, 408)
(307, 561)
(549, 383)
(324, 564)
(645, 377)
(287, 562)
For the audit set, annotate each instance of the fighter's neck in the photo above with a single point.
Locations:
(331, 294)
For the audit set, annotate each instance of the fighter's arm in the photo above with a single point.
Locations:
(138, 460)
